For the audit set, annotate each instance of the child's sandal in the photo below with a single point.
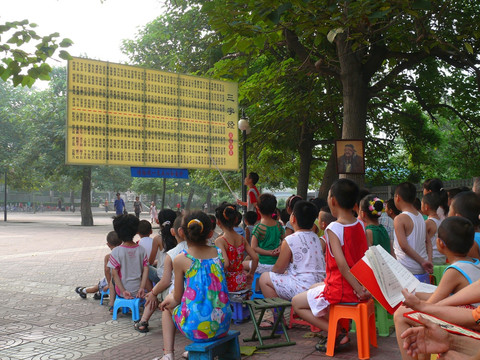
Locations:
(79, 291)
(141, 326)
(165, 357)
(322, 344)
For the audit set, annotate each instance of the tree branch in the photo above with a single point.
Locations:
(294, 45)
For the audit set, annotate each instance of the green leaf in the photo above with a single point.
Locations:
(469, 47)
(64, 55)
(422, 5)
(66, 43)
(243, 45)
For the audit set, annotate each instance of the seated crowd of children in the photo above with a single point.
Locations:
(304, 254)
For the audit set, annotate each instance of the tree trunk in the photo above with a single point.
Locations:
(190, 197)
(72, 201)
(305, 149)
(208, 201)
(329, 176)
(163, 193)
(85, 207)
(355, 96)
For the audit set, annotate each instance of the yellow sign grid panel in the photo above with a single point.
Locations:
(127, 115)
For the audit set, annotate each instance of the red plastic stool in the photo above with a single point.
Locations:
(364, 316)
(294, 319)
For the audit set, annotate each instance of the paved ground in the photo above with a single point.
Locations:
(44, 256)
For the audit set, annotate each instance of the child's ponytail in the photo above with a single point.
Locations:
(227, 215)
(372, 206)
(197, 227)
(166, 218)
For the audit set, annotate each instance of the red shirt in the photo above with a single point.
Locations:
(337, 288)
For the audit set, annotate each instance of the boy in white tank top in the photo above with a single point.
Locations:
(430, 204)
(410, 245)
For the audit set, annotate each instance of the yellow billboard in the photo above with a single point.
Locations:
(127, 115)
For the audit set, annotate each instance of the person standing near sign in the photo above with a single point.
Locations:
(137, 207)
(153, 212)
(119, 205)
(253, 193)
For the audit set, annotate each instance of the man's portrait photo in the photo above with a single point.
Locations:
(350, 156)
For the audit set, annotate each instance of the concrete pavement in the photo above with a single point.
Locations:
(44, 256)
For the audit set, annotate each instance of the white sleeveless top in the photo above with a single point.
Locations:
(416, 240)
(436, 255)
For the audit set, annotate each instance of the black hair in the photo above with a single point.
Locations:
(391, 206)
(126, 226)
(251, 217)
(319, 202)
(407, 191)
(267, 203)
(432, 200)
(345, 191)
(238, 220)
(451, 193)
(372, 206)
(292, 200)
(436, 185)
(166, 218)
(467, 205)
(177, 224)
(112, 239)
(457, 233)
(227, 215)
(326, 215)
(213, 219)
(284, 216)
(417, 204)
(254, 177)
(144, 228)
(361, 194)
(305, 213)
(197, 226)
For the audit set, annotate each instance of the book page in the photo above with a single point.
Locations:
(386, 279)
(443, 324)
(426, 288)
(405, 277)
(392, 277)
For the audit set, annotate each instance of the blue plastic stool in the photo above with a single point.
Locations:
(226, 347)
(125, 304)
(424, 278)
(240, 312)
(102, 294)
(256, 294)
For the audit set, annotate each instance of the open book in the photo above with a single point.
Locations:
(385, 278)
(453, 328)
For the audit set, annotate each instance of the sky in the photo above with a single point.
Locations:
(97, 29)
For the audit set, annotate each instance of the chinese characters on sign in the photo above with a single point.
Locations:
(126, 115)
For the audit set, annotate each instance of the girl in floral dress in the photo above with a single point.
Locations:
(199, 303)
(233, 247)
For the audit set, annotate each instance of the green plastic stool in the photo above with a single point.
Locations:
(438, 271)
(383, 320)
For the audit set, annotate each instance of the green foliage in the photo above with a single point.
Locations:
(22, 67)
